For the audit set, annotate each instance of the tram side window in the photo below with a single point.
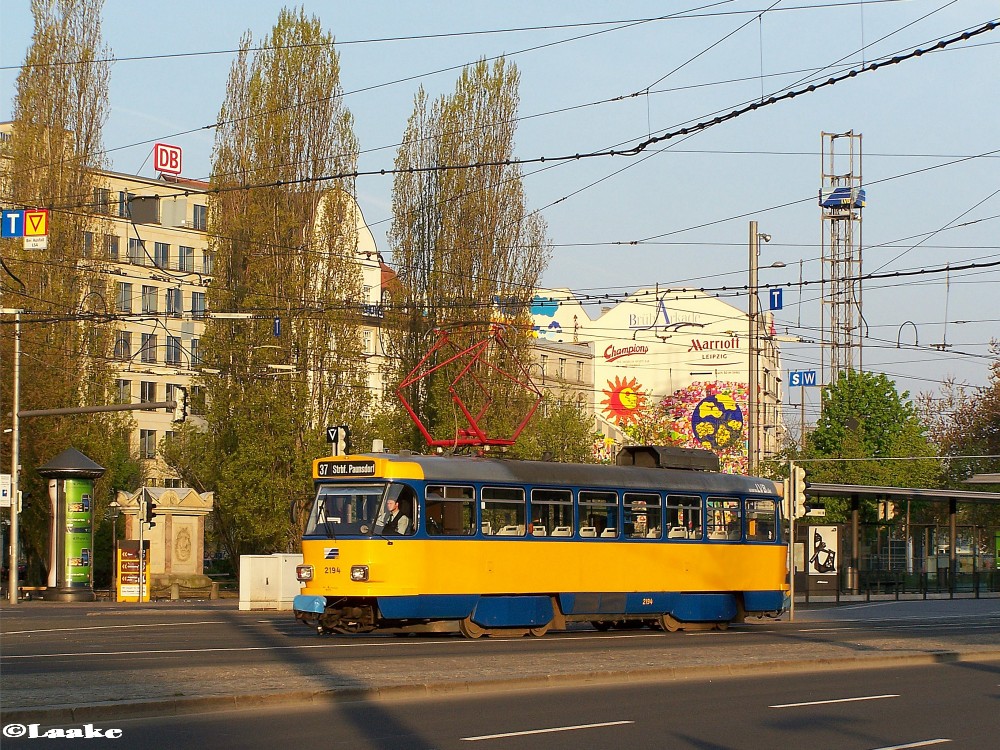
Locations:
(551, 512)
(503, 511)
(761, 520)
(451, 510)
(683, 517)
(598, 511)
(725, 519)
(642, 516)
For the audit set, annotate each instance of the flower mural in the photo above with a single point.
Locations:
(717, 421)
(703, 415)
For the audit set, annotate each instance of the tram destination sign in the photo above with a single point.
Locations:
(345, 468)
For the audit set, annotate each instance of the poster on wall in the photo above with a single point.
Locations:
(822, 548)
(79, 531)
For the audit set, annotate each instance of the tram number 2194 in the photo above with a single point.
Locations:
(331, 569)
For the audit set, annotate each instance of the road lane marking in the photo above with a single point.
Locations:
(385, 643)
(893, 628)
(922, 743)
(834, 700)
(115, 627)
(544, 731)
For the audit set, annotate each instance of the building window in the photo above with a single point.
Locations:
(147, 443)
(185, 258)
(148, 351)
(88, 244)
(102, 201)
(123, 346)
(196, 399)
(562, 368)
(136, 251)
(161, 254)
(195, 352)
(147, 391)
(123, 207)
(208, 263)
(173, 351)
(579, 372)
(124, 388)
(111, 246)
(148, 299)
(175, 302)
(124, 297)
(367, 341)
(198, 304)
(543, 360)
(200, 217)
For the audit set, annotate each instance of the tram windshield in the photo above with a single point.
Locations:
(344, 509)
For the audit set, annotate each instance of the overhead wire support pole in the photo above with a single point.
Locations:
(752, 353)
(15, 460)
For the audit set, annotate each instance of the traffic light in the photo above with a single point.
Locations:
(797, 482)
(342, 443)
(147, 508)
(180, 403)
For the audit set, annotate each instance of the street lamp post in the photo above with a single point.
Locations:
(115, 508)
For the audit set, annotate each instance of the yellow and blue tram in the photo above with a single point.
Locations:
(501, 546)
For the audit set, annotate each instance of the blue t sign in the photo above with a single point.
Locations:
(775, 295)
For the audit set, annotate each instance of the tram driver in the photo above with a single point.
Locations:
(396, 521)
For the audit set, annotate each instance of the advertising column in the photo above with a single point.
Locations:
(71, 478)
(79, 533)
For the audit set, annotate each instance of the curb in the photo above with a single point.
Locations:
(181, 706)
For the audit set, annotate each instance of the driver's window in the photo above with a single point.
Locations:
(399, 512)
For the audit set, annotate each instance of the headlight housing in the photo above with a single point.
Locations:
(304, 572)
(359, 572)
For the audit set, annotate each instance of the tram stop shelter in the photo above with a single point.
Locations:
(900, 496)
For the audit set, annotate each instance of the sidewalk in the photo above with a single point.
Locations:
(103, 691)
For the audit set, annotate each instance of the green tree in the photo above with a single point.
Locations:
(468, 252)
(559, 431)
(863, 422)
(965, 423)
(288, 250)
(51, 161)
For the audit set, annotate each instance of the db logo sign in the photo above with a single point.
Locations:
(167, 158)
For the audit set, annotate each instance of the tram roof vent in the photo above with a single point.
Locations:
(668, 457)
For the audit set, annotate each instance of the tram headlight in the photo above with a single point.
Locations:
(304, 572)
(359, 572)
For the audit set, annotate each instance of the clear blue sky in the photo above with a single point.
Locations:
(695, 196)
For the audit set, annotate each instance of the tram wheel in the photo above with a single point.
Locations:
(470, 629)
(539, 632)
(668, 623)
(601, 625)
(722, 625)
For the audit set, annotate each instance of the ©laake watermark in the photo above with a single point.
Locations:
(35, 731)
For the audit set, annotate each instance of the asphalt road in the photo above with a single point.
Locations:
(945, 704)
(79, 662)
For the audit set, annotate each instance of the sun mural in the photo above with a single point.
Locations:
(624, 401)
